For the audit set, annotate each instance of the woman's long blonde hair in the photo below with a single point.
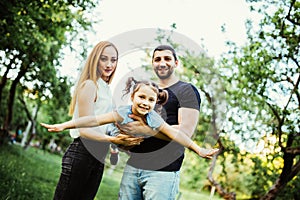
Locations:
(89, 72)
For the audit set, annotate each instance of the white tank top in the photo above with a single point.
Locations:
(103, 104)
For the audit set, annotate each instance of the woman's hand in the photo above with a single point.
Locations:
(53, 127)
(126, 140)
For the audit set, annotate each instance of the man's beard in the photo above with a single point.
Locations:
(165, 76)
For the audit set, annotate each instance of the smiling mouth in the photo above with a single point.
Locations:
(143, 108)
(163, 70)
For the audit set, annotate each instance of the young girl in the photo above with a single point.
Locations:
(145, 96)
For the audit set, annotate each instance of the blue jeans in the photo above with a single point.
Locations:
(81, 172)
(139, 184)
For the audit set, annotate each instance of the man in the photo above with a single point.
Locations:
(152, 170)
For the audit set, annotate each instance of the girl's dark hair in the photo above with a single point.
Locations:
(162, 95)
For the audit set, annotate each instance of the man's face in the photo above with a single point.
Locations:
(163, 63)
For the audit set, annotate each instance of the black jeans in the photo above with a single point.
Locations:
(82, 171)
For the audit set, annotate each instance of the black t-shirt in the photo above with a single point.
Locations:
(161, 155)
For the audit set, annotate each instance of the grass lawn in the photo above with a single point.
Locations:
(32, 174)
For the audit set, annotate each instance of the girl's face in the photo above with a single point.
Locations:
(107, 62)
(143, 100)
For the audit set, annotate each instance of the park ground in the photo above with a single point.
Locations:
(33, 174)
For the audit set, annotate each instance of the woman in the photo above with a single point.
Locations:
(83, 162)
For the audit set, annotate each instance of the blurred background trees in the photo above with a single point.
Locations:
(33, 34)
(250, 97)
(251, 107)
(262, 84)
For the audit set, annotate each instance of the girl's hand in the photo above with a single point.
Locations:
(207, 153)
(53, 127)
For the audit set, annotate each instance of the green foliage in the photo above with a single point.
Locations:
(263, 86)
(193, 172)
(260, 176)
(291, 190)
(33, 34)
(54, 110)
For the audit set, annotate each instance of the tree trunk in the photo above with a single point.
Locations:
(31, 129)
(4, 77)
(25, 133)
(2, 85)
(4, 134)
(11, 98)
(281, 182)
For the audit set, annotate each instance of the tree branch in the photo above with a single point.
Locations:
(288, 17)
(219, 189)
(291, 150)
(292, 92)
(25, 108)
(280, 121)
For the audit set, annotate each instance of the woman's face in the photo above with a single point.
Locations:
(143, 100)
(107, 62)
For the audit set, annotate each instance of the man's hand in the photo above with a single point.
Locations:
(136, 127)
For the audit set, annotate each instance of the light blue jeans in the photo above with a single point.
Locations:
(139, 184)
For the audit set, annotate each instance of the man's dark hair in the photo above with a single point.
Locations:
(165, 47)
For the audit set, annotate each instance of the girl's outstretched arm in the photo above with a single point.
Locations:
(93, 134)
(85, 121)
(180, 137)
(55, 127)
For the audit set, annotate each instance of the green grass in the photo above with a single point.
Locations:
(32, 174)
